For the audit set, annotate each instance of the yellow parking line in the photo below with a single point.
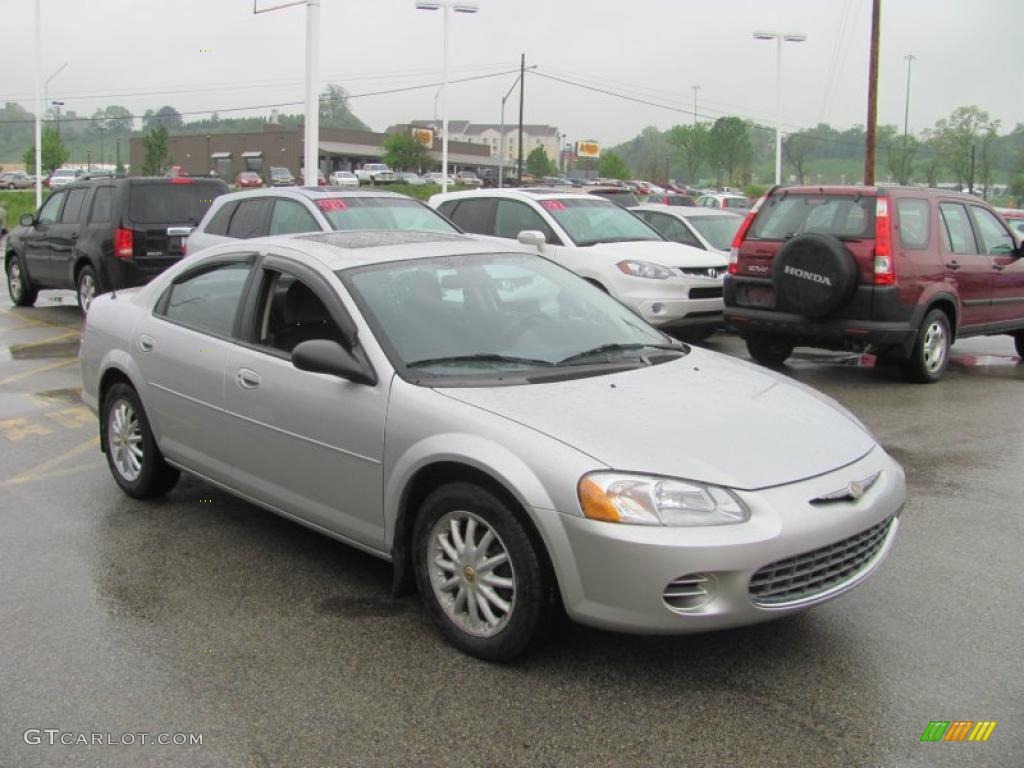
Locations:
(48, 339)
(40, 471)
(40, 369)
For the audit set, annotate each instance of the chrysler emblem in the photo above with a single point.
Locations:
(852, 491)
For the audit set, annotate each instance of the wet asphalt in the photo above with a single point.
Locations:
(201, 614)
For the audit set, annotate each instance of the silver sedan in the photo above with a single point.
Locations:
(508, 436)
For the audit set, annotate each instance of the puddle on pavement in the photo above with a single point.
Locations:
(31, 351)
(71, 395)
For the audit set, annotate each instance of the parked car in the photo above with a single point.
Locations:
(413, 179)
(376, 173)
(436, 177)
(623, 196)
(16, 180)
(103, 235)
(1014, 217)
(343, 179)
(724, 200)
(321, 180)
(712, 229)
(668, 198)
(672, 286)
(62, 177)
(258, 213)
(279, 177)
(901, 272)
(468, 179)
(248, 179)
(512, 440)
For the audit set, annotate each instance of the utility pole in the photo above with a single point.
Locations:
(695, 89)
(522, 88)
(906, 119)
(869, 153)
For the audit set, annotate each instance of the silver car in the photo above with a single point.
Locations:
(506, 434)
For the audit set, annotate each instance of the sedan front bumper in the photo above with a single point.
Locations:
(676, 580)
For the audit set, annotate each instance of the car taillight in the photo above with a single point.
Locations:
(737, 241)
(884, 267)
(123, 245)
(181, 180)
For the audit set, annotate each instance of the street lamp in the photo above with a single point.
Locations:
(695, 88)
(58, 105)
(779, 37)
(46, 85)
(501, 154)
(459, 6)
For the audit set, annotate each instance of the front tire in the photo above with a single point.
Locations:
(132, 454)
(930, 357)
(769, 351)
(485, 585)
(86, 287)
(22, 292)
(1018, 341)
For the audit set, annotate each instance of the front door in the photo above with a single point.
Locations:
(63, 237)
(38, 252)
(1008, 270)
(968, 269)
(310, 444)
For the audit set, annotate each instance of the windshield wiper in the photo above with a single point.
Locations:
(484, 357)
(617, 347)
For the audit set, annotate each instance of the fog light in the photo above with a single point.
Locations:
(690, 593)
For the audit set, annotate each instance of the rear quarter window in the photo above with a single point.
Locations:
(218, 224)
(913, 217)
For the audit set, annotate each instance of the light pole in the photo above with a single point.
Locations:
(100, 129)
(695, 88)
(46, 85)
(39, 105)
(459, 6)
(501, 130)
(58, 105)
(779, 37)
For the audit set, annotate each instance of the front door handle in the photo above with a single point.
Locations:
(146, 343)
(998, 267)
(954, 265)
(248, 379)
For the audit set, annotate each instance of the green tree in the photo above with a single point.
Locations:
(115, 118)
(957, 135)
(404, 153)
(154, 146)
(539, 164)
(931, 152)
(689, 145)
(612, 166)
(54, 153)
(334, 111)
(897, 152)
(729, 147)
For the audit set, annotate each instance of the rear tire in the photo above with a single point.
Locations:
(22, 292)
(930, 357)
(1018, 341)
(132, 454)
(87, 287)
(769, 351)
(492, 611)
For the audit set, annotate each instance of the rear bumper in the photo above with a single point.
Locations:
(131, 273)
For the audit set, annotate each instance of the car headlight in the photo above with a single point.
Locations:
(620, 497)
(644, 269)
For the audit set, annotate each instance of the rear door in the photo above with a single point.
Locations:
(38, 252)
(1007, 270)
(64, 237)
(970, 271)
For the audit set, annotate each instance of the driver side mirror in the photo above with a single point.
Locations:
(532, 237)
(325, 356)
(27, 220)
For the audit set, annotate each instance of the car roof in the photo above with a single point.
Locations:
(310, 193)
(528, 193)
(685, 211)
(357, 248)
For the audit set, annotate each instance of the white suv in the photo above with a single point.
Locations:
(675, 287)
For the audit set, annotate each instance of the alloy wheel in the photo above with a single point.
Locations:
(124, 440)
(933, 347)
(86, 291)
(14, 282)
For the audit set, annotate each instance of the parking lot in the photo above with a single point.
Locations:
(202, 614)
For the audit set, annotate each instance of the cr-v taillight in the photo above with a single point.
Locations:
(123, 243)
(884, 267)
(737, 241)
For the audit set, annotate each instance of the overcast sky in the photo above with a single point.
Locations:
(215, 54)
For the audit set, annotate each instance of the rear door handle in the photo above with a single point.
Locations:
(248, 379)
(954, 264)
(146, 343)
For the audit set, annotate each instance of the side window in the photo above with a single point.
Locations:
(513, 217)
(913, 215)
(73, 207)
(475, 215)
(447, 208)
(219, 223)
(958, 233)
(250, 219)
(102, 205)
(51, 208)
(289, 216)
(291, 313)
(996, 241)
(673, 229)
(207, 299)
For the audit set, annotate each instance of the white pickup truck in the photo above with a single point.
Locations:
(376, 173)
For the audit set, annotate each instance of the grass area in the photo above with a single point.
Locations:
(17, 202)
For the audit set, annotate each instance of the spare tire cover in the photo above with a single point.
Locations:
(814, 275)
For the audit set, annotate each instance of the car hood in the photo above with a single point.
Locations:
(704, 417)
(659, 252)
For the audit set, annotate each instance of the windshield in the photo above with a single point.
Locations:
(593, 220)
(492, 315)
(382, 213)
(717, 230)
(786, 215)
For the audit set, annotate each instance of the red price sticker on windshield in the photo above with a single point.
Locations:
(553, 205)
(331, 204)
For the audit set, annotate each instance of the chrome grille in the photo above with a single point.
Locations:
(711, 273)
(689, 592)
(813, 573)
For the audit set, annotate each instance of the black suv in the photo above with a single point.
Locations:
(103, 234)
